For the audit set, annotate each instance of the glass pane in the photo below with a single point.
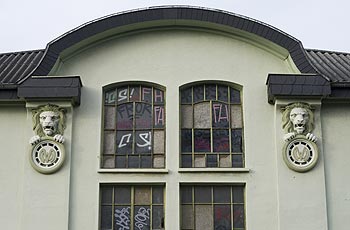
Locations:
(186, 194)
(236, 140)
(198, 93)
(238, 194)
(236, 116)
(186, 116)
(222, 218)
(238, 216)
(204, 217)
(157, 217)
(202, 140)
(110, 97)
(133, 161)
(220, 115)
(186, 161)
(186, 140)
(142, 195)
(158, 96)
(125, 116)
(122, 217)
(134, 93)
(223, 93)
(109, 119)
(124, 142)
(212, 160)
(235, 96)
(122, 195)
(108, 144)
(159, 116)
(157, 195)
(142, 216)
(143, 116)
(187, 217)
(210, 92)
(146, 94)
(199, 161)
(202, 194)
(222, 194)
(221, 140)
(143, 142)
(237, 161)
(108, 161)
(158, 141)
(106, 217)
(122, 95)
(186, 95)
(146, 162)
(106, 195)
(120, 161)
(202, 115)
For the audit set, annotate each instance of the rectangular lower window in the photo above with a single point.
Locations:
(133, 207)
(206, 207)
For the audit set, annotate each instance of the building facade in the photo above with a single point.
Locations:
(175, 118)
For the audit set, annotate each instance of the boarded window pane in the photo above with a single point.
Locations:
(109, 120)
(142, 215)
(125, 116)
(238, 216)
(108, 145)
(202, 115)
(186, 140)
(222, 194)
(210, 92)
(122, 195)
(110, 97)
(198, 93)
(122, 95)
(134, 93)
(142, 195)
(223, 93)
(157, 217)
(236, 141)
(225, 161)
(202, 194)
(202, 140)
(221, 140)
(236, 116)
(186, 161)
(158, 142)
(199, 161)
(158, 96)
(159, 116)
(186, 116)
(159, 161)
(220, 115)
(204, 217)
(124, 142)
(106, 217)
(186, 95)
(235, 96)
(187, 217)
(122, 215)
(108, 161)
(143, 116)
(146, 94)
(222, 218)
(143, 142)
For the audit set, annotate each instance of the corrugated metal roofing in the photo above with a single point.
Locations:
(16, 66)
(332, 65)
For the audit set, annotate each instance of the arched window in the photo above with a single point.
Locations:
(134, 126)
(211, 126)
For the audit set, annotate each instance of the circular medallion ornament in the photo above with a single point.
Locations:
(300, 154)
(47, 156)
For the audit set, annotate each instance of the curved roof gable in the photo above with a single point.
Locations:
(173, 13)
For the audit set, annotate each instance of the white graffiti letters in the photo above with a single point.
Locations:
(122, 218)
(141, 218)
(146, 138)
(124, 142)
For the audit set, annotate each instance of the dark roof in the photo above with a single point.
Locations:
(17, 66)
(334, 66)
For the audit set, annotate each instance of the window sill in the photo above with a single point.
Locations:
(133, 171)
(214, 170)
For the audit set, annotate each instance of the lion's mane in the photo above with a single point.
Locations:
(287, 123)
(49, 107)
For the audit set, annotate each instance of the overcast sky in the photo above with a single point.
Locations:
(31, 24)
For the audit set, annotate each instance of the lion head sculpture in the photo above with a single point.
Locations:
(49, 120)
(298, 118)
